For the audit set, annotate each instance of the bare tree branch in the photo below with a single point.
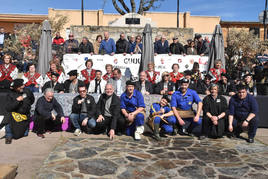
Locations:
(140, 11)
(124, 5)
(150, 4)
(118, 8)
(133, 6)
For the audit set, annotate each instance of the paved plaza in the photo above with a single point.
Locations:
(61, 155)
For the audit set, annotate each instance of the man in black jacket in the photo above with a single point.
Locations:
(18, 106)
(48, 113)
(56, 86)
(86, 46)
(71, 85)
(144, 86)
(176, 47)
(109, 112)
(122, 45)
(83, 111)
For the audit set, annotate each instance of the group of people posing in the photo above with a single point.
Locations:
(121, 107)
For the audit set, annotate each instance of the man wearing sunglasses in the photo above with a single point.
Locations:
(83, 112)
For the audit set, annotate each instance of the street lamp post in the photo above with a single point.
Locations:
(178, 13)
(82, 12)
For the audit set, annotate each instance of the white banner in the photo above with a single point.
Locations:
(132, 62)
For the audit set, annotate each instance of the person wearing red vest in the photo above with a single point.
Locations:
(217, 71)
(53, 68)
(33, 80)
(89, 73)
(109, 72)
(8, 73)
(175, 75)
(152, 76)
(58, 40)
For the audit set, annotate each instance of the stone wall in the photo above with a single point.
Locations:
(91, 32)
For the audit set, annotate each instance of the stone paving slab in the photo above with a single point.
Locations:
(175, 157)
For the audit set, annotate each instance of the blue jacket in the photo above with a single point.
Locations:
(107, 46)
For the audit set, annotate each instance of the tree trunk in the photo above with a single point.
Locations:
(124, 5)
(133, 6)
(118, 8)
(150, 4)
(140, 11)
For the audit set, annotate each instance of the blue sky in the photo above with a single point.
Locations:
(228, 10)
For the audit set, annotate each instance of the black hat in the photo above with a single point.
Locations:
(225, 74)
(129, 82)
(166, 97)
(184, 80)
(55, 74)
(175, 38)
(73, 73)
(197, 36)
(208, 76)
(187, 73)
(17, 83)
(246, 75)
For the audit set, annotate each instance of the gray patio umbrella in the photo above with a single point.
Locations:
(216, 47)
(147, 48)
(45, 49)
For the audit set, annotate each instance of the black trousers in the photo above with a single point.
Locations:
(41, 125)
(211, 130)
(106, 124)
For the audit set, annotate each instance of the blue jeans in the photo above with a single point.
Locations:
(192, 126)
(33, 89)
(78, 118)
(9, 132)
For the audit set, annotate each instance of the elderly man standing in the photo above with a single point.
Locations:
(48, 113)
(122, 44)
(83, 111)
(132, 107)
(18, 106)
(107, 45)
(243, 107)
(109, 112)
(181, 103)
(161, 46)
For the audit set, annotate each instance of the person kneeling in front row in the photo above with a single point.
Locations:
(132, 107)
(83, 112)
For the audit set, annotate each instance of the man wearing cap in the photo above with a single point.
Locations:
(71, 85)
(165, 86)
(226, 87)
(202, 86)
(54, 84)
(18, 106)
(243, 113)
(71, 45)
(83, 112)
(48, 113)
(187, 75)
(161, 46)
(181, 103)
(249, 83)
(133, 109)
(176, 47)
(109, 116)
(202, 46)
(89, 73)
(161, 116)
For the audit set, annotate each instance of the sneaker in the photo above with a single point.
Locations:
(251, 140)
(138, 132)
(77, 132)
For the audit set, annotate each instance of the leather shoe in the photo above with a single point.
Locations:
(202, 137)
(251, 140)
(8, 140)
(41, 135)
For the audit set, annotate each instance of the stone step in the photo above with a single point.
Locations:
(8, 171)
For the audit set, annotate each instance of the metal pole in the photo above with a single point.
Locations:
(82, 12)
(264, 19)
(178, 13)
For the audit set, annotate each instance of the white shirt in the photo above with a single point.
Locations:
(2, 37)
(119, 87)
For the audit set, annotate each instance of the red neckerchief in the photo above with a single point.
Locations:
(6, 72)
(31, 79)
(217, 76)
(107, 77)
(175, 78)
(152, 80)
(87, 77)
